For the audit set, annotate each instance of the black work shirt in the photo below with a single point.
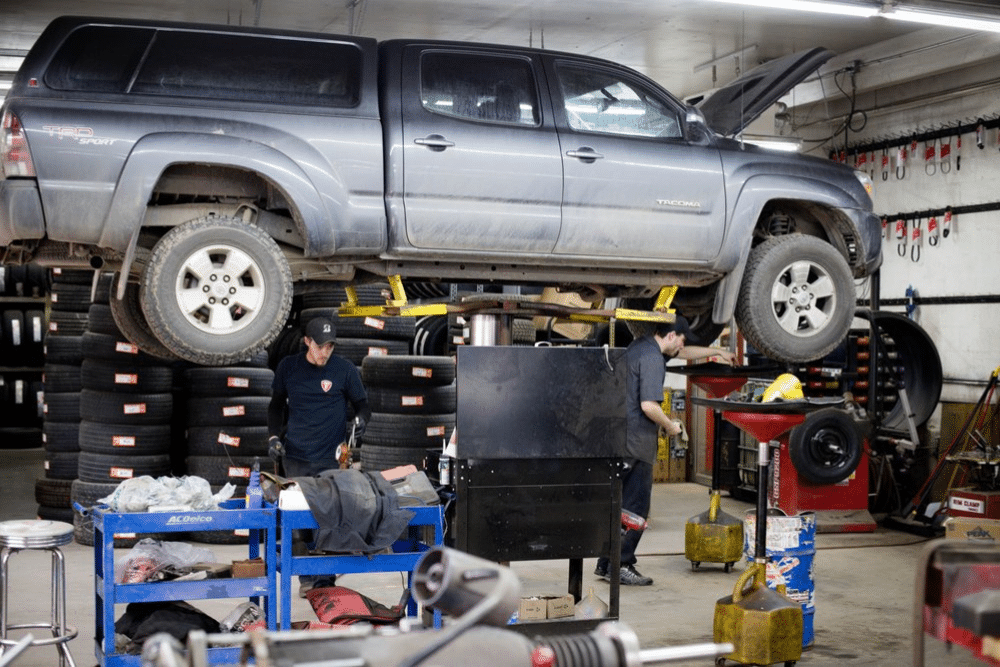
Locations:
(317, 405)
(647, 369)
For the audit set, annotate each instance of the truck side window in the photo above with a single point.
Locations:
(251, 68)
(600, 101)
(98, 58)
(488, 88)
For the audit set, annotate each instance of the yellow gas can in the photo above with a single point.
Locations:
(764, 626)
(713, 536)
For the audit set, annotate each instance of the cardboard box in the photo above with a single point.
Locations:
(249, 569)
(544, 607)
(532, 609)
(973, 529)
(560, 607)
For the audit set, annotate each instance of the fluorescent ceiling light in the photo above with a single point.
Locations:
(932, 17)
(842, 8)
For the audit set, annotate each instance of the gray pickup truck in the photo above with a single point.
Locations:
(215, 167)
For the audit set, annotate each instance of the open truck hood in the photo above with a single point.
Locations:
(731, 108)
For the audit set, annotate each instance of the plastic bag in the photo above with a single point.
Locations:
(148, 557)
(188, 493)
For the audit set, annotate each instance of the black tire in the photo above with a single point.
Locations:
(61, 436)
(64, 349)
(381, 328)
(66, 323)
(375, 458)
(69, 296)
(61, 377)
(229, 381)
(117, 349)
(395, 430)
(62, 407)
(99, 320)
(124, 439)
(121, 376)
(34, 337)
(797, 298)
(108, 468)
(61, 465)
(412, 400)
(20, 437)
(826, 448)
(408, 371)
(50, 513)
(127, 316)
(228, 411)
(122, 408)
(261, 300)
(227, 441)
(61, 276)
(12, 339)
(223, 469)
(53, 492)
(431, 336)
(356, 349)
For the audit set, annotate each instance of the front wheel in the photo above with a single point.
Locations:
(797, 299)
(216, 290)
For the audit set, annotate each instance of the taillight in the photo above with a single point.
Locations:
(15, 158)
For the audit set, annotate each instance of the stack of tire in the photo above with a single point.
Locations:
(70, 300)
(22, 332)
(413, 408)
(227, 429)
(126, 405)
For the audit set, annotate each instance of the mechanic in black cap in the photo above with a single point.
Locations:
(307, 416)
(644, 417)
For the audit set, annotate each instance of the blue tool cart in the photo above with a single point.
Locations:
(406, 552)
(231, 516)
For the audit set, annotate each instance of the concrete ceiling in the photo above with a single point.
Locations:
(670, 40)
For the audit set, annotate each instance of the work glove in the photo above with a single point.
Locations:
(275, 449)
(359, 427)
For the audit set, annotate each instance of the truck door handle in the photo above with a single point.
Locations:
(435, 142)
(585, 153)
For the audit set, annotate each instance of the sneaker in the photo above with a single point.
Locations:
(602, 573)
(307, 584)
(630, 576)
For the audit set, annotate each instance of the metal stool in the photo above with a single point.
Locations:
(42, 535)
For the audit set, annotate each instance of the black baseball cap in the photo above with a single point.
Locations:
(321, 330)
(681, 327)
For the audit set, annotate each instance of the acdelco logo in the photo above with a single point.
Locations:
(81, 135)
(184, 519)
(681, 203)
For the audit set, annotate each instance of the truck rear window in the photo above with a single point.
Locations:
(209, 65)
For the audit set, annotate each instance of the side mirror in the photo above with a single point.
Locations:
(695, 126)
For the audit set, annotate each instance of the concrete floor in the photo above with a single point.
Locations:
(864, 584)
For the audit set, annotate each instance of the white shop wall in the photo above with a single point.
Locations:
(965, 263)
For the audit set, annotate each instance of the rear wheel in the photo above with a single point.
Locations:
(216, 290)
(797, 298)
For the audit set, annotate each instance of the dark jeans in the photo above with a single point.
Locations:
(637, 493)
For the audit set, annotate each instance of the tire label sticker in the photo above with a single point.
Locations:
(412, 401)
(375, 323)
(54, 297)
(433, 431)
(238, 383)
(123, 441)
(231, 440)
(235, 471)
(15, 332)
(124, 536)
(126, 347)
(126, 378)
(422, 372)
(233, 411)
(120, 473)
(378, 351)
(134, 408)
(53, 326)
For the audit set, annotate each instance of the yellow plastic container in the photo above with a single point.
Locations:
(764, 626)
(713, 536)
